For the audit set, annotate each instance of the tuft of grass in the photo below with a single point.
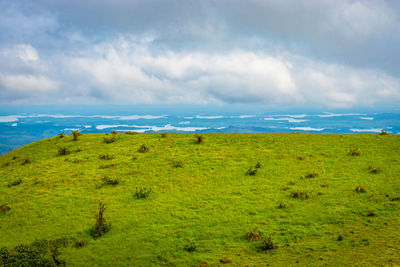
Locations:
(301, 157)
(163, 135)
(383, 133)
(253, 235)
(109, 139)
(190, 246)
(62, 151)
(199, 139)
(110, 181)
(267, 243)
(61, 135)
(178, 164)
(300, 195)
(4, 208)
(340, 238)
(80, 243)
(396, 198)
(105, 157)
(355, 152)
(143, 149)
(311, 175)
(374, 170)
(106, 166)
(15, 182)
(131, 132)
(142, 193)
(360, 189)
(251, 171)
(26, 161)
(101, 226)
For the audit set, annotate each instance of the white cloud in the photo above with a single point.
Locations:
(28, 83)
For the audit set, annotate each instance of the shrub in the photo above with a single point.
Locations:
(199, 139)
(374, 169)
(178, 164)
(26, 161)
(251, 171)
(300, 195)
(267, 243)
(360, 189)
(109, 139)
(114, 132)
(311, 175)
(107, 166)
(282, 206)
(143, 149)
(190, 246)
(130, 132)
(397, 198)
(6, 164)
(110, 181)
(61, 135)
(258, 165)
(4, 208)
(340, 238)
(383, 133)
(14, 182)
(101, 226)
(355, 152)
(62, 151)
(106, 157)
(301, 158)
(142, 193)
(80, 243)
(253, 235)
(164, 135)
(76, 135)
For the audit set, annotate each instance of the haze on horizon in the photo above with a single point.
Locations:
(279, 53)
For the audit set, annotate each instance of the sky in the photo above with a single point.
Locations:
(279, 53)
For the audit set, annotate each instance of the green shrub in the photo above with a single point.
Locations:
(199, 139)
(300, 195)
(360, 189)
(80, 243)
(15, 182)
(178, 164)
(340, 238)
(106, 166)
(355, 152)
(62, 151)
(61, 135)
(106, 157)
(109, 139)
(76, 135)
(110, 181)
(374, 170)
(190, 246)
(251, 171)
(311, 175)
(114, 132)
(267, 243)
(143, 149)
(101, 226)
(26, 161)
(130, 132)
(383, 133)
(163, 135)
(258, 165)
(396, 198)
(142, 193)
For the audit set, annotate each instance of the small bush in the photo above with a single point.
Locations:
(360, 189)
(14, 182)
(101, 226)
(6, 164)
(178, 164)
(76, 135)
(199, 139)
(311, 175)
(190, 246)
(300, 195)
(130, 132)
(253, 235)
(106, 157)
(62, 151)
(143, 149)
(114, 132)
(340, 238)
(251, 171)
(142, 193)
(397, 198)
(14, 157)
(106, 166)
(109, 139)
(26, 161)
(61, 135)
(374, 170)
(370, 214)
(79, 243)
(324, 185)
(301, 157)
(383, 133)
(163, 135)
(258, 165)
(4, 208)
(267, 243)
(110, 181)
(355, 152)
(282, 206)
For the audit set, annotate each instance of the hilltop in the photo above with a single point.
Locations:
(181, 199)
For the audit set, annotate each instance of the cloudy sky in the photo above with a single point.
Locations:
(319, 53)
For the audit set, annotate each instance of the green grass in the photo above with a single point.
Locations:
(209, 202)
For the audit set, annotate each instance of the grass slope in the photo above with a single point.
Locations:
(202, 194)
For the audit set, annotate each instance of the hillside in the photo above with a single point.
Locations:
(319, 199)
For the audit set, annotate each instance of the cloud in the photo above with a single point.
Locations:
(278, 53)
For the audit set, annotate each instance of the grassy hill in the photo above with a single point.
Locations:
(277, 199)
